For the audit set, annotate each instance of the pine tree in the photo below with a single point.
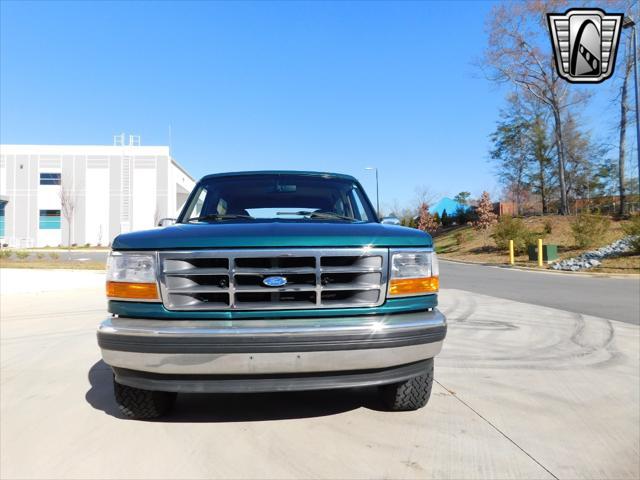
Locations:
(462, 198)
(445, 218)
(510, 153)
(486, 217)
(426, 222)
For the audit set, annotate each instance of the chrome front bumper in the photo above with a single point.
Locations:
(274, 346)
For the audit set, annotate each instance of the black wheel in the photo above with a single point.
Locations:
(138, 403)
(410, 394)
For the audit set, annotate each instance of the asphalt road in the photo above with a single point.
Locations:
(614, 298)
(522, 391)
(606, 297)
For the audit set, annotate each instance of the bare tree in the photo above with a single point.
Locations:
(423, 194)
(391, 208)
(624, 107)
(68, 205)
(519, 53)
(585, 157)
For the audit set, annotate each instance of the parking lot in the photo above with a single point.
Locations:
(523, 391)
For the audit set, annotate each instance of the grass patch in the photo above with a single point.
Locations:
(48, 263)
(553, 229)
(629, 263)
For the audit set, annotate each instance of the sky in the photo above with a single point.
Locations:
(330, 86)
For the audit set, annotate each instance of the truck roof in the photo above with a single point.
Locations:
(281, 172)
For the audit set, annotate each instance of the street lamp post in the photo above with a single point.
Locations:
(629, 23)
(377, 192)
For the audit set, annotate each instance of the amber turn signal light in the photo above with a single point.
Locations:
(408, 286)
(136, 291)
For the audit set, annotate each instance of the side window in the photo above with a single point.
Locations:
(50, 219)
(196, 209)
(359, 211)
(49, 179)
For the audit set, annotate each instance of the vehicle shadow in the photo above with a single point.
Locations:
(255, 407)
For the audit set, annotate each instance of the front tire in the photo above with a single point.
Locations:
(142, 404)
(411, 394)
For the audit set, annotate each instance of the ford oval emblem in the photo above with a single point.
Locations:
(275, 281)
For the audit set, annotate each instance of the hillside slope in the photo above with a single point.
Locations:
(480, 248)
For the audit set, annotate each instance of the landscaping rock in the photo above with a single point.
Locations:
(593, 258)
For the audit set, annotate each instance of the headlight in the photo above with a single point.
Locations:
(413, 272)
(132, 276)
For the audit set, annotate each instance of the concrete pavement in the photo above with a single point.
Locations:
(16, 280)
(523, 391)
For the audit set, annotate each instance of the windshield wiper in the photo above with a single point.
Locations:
(217, 216)
(310, 214)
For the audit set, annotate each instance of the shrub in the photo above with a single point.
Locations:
(4, 253)
(462, 237)
(633, 229)
(509, 228)
(486, 218)
(589, 229)
(548, 227)
(21, 254)
(40, 255)
(426, 222)
(54, 255)
(87, 245)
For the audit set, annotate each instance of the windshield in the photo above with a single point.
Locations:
(278, 196)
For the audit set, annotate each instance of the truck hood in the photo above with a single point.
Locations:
(272, 234)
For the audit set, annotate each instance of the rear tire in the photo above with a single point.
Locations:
(142, 404)
(411, 394)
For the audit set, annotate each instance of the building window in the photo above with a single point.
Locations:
(49, 179)
(2, 204)
(49, 219)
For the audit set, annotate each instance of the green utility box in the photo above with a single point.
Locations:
(549, 253)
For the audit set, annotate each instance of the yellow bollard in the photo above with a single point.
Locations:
(539, 252)
(512, 259)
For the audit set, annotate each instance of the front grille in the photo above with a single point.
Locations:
(234, 279)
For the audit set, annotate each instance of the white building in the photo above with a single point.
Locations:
(113, 189)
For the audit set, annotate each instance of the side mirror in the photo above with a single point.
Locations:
(165, 222)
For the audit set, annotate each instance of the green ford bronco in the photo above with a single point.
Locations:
(272, 281)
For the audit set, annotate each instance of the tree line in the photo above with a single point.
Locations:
(540, 146)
